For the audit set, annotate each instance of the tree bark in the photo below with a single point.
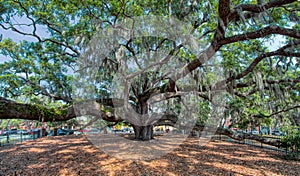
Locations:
(13, 110)
(144, 133)
(243, 136)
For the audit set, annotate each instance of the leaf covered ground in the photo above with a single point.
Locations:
(75, 155)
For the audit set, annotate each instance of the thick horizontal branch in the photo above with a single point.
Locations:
(256, 8)
(239, 136)
(278, 112)
(10, 109)
(267, 81)
(230, 133)
(243, 136)
(13, 110)
(272, 29)
(260, 8)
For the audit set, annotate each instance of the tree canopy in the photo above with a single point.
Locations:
(256, 43)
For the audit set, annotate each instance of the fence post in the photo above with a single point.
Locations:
(55, 132)
(33, 135)
(44, 132)
(39, 133)
(7, 138)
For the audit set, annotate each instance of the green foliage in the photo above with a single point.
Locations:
(68, 123)
(204, 109)
(6, 123)
(292, 139)
(58, 31)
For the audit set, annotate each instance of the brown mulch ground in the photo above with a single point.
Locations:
(75, 155)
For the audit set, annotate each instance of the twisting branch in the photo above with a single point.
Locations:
(279, 52)
(260, 8)
(272, 29)
(219, 39)
(250, 83)
(33, 33)
(278, 112)
(43, 91)
(31, 19)
(255, 8)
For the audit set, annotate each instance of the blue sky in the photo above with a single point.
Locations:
(23, 26)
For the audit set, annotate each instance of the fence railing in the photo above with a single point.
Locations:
(255, 143)
(8, 139)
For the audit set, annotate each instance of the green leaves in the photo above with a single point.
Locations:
(292, 139)
(60, 30)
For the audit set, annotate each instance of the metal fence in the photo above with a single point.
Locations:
(254, 143)
(9, 139)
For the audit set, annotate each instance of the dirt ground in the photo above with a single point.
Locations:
(75, 155)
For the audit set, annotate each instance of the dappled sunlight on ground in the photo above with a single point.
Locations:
(123, 148)
(75, 155)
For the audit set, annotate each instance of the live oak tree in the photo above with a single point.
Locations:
(255, 42)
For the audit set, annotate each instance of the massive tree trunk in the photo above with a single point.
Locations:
(143, 132)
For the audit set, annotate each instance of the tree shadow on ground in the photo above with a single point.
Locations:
(75, 155)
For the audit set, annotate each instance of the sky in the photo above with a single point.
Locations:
(41, 31)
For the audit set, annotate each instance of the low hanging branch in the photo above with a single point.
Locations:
(13, 110)
(10, 110)
(241, 136)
